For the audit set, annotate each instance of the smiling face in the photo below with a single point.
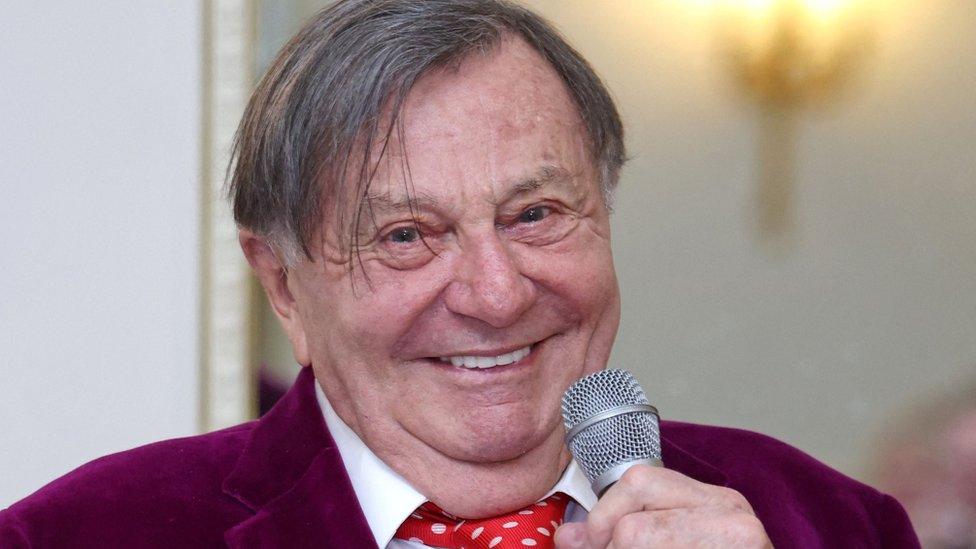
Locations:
(480, 297)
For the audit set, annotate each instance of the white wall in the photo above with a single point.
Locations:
(99, 226)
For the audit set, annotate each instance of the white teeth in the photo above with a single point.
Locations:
(488, 361)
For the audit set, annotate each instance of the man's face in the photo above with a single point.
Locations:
(467, 312)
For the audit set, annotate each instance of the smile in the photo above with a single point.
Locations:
(488, 361)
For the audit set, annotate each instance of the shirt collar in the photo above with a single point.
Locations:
(384, 496)
(574, 484)
(387, 499)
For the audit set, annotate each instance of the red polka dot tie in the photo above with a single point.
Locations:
(532, 526)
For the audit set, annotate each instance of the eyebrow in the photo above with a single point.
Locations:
(384, 203)
(544, 176)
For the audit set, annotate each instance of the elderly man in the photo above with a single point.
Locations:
(423, 188)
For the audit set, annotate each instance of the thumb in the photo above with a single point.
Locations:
(570, 536)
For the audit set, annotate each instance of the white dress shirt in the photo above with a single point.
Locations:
(387, 499)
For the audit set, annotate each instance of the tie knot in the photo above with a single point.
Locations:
(531, 526)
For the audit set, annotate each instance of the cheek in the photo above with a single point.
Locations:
(384, 307)
(579, 269)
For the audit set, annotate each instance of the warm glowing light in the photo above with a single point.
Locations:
(820, 9)
(756, 5)
(793, 51)
(786, 55)
(818, 6)
(826, 8)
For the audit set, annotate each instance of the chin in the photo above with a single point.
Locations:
(498, 441)
(492, 451)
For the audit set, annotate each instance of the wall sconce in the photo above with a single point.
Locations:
(787, 55)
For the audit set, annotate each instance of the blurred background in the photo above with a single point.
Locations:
(795, 233)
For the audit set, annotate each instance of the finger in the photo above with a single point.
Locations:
(649, 529)
(571, 535)
(700, 527)
(641, 488)
(646, 488)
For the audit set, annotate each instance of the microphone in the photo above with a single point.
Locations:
(610, 426)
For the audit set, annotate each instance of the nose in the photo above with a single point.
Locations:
(489, 284)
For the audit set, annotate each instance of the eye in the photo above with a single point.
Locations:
(534, 214)
(403, 235)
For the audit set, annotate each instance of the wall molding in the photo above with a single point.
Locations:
(227, 388)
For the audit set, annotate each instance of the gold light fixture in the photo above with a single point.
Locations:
(786, 55)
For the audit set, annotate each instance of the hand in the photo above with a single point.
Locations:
(657, 507)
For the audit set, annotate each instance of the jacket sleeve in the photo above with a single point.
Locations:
(895, 527)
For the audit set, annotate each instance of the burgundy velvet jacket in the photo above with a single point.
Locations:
(279, 482)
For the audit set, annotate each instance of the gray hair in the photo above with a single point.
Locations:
(327, 94)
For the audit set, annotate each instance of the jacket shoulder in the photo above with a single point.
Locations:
(800, 500)
(746, 455)
(165, 489)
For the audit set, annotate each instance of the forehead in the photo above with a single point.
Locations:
(510, 88)
(497, 118)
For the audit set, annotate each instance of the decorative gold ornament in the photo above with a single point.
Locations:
(786, 55)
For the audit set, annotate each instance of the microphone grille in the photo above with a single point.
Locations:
(621, 438)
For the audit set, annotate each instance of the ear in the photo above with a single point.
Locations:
(274, 277)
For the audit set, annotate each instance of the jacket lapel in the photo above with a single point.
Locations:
(291, 475)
